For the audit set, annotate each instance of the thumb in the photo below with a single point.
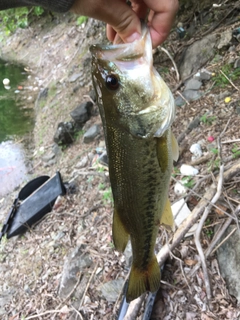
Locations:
(122, 19)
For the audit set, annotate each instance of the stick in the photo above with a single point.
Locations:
(215, 240)
(179, 93)
(198, 232)
(231, 141)
(229, 80)
(173, 62)
(134, 308)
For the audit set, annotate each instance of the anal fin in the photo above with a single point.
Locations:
(120, 235)
(167, 216)
(141, 281)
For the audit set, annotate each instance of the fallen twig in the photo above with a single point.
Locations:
(229, 80)
(134, 308)
(199, 229)
(87, 286)
(179, 93)
(231, 141)
(173, 62)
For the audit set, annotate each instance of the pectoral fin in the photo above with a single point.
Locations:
(167, 216)
(175, 148)
(120, 235)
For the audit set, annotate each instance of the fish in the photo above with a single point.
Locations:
(137, 110)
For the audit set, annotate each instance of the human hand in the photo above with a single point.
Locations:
(124, 21)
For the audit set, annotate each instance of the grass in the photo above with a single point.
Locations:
(236, 151)
(208, 120)
(107, 196)
(188, 182)
(233, 74)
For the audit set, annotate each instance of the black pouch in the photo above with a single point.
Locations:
(34, 200)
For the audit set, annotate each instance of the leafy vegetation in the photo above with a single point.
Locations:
(13, 19)
(207, 119)
(81, 20)
(236, 151)
(188, 182)
(231, 72)
(107, 196)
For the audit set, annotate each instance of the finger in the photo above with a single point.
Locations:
(162, 19)
(116, 13)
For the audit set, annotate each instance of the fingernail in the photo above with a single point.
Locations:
(133, 37)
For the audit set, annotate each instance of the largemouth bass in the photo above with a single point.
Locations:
(137, 110)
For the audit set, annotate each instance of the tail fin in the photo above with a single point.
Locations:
(141, 281)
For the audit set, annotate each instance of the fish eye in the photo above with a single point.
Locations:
(112, 82)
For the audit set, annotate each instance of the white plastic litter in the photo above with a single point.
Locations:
(187, 170)
(196, 150)
(179, 189)
(180, 212)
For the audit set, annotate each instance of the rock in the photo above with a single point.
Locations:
(82, 113)
(43, 94)
(5, 299)
(65, 133)
(92, 95)
(103, 159)
(48, 157)
(196, 150)
(187, 170)
(111, 290)
(229, 260)
(197, 55)
(225, 39)
(194, 124)
(203, 74)
(191, 95)
(237, 63)
(238, 110)
(77, 261)
(193, 84)
(91, 134)
(56, 150)
(82, 163)
(75, 76)
(179, 101)
(232, 49)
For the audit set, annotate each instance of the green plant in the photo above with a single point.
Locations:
(81, 20)
(101, 186)
(209, 232)
(13, 19)
(176, 172)
(214, 164)
(207, 119)
(111, 245)
(228, 71)
(107, 196)
(3, 242)
(236, 151)
(188, 182)
(214, 151)
(78, 134)
(100, 169)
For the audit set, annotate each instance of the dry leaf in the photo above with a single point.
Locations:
(190, 262)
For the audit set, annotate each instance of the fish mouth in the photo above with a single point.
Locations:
(125, 51)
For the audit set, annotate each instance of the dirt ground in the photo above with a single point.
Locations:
(32, 264)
